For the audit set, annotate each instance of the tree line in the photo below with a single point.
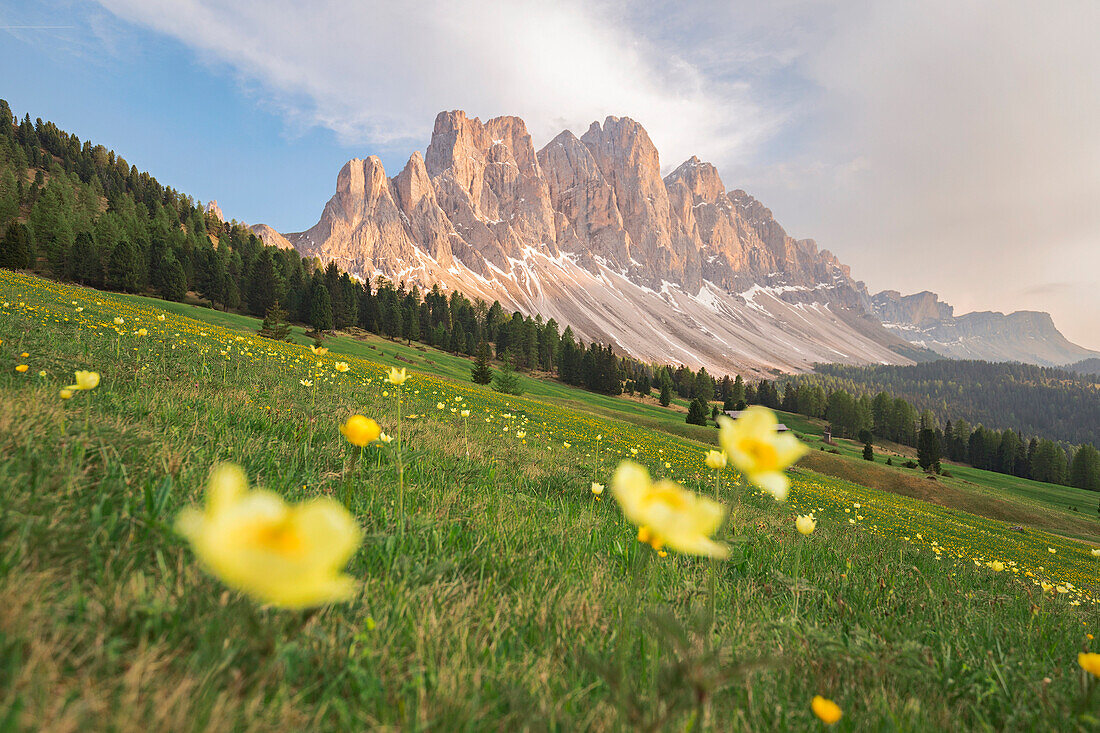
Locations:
(862, 416)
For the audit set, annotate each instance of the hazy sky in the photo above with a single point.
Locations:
(952, 146)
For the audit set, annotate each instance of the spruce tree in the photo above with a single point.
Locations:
(506, 381)
(15, 250)
(481, 372)
(320, 306)
(276, 323)
(868, 451)
(666, 390)
(697, 413)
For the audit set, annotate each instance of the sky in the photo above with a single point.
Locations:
(947, 145)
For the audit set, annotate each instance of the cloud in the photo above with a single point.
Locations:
(377, 73)
(948, 145)
(974, 125)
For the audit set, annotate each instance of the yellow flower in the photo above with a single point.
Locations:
(65, 393)
(997, 566)
(24, 355)
(341, 366)
(633, 451)
(716, 459)
(597, 489)
(160, 317)
(397, 376)
(567, 444)
(439, 405)
(22, 368)
(42, 373)
(1090, 663)
(385, 438)
(521, 434)
(142, 332)
(669, 513)
(1051, 550)
(805, 523)
(753, 446)
(287, 555)
(119, 321)
(1047, 587)
(465, 413)
(360, 430)
(827, 710)
(318, 350)
(1096, 552)
(305, 382)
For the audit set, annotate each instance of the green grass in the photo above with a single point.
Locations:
(513, 600)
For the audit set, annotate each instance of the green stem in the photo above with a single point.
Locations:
(400, 469)
(797, 571)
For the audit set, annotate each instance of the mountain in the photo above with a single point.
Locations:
(1089, 367)
(1025, 336)
(586, 231)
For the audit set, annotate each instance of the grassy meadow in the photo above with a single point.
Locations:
(495, 591)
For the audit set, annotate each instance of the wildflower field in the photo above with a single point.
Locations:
(490, 581)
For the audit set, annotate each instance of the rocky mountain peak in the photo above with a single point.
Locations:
(215, 210)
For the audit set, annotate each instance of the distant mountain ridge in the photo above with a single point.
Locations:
(677, 269)
(1024, 336)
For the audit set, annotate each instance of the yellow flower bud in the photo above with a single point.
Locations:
(826, 710)
(360, 430)
(805, 523)
(716, 459)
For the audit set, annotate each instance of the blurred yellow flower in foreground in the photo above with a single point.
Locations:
(805, 523)
(289, 555)
(65, 394)
(85, 380)
(827, 710)
(22, 368)
(318, 350)
(670, 514)
(716, 459)
(397, 376)
(1090, 663)
(1096, 552)
(360, 430)
(753, 446)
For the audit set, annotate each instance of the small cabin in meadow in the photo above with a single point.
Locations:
(734, 414)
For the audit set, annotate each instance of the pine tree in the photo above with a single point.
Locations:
(320, 306)
(481, 372)
(697, 413)
(123, 267)
(506, 380)
(15, 248)
(928, 450)
(666, 390)
(868, 451)
(276, 324)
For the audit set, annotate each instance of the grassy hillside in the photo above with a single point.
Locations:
(512, 598)
(1059, 509)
